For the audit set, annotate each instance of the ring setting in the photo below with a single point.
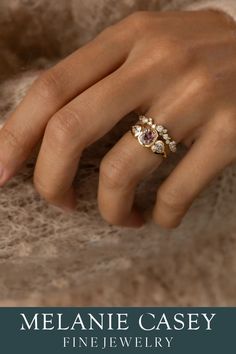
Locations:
(148, 136)
(153, 136)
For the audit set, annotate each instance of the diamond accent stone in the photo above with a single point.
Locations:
(141, 118)
(172, 146)
(165, 136)
(158, 147)
(159, 128)
(148, 136)
(136, 130)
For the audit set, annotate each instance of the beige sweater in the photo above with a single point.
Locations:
(228, 6)
(50, 258)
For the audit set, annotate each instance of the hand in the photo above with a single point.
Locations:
(177, 67)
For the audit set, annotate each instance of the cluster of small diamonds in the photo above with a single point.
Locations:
(161, 132)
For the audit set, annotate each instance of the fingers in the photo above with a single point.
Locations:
(77, 125)
(128, 163)
(209, 155)
(120, 172)
(52, 91)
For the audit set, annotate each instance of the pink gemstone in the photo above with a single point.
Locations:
(148, 136)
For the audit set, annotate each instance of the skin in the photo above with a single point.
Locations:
(177, 67)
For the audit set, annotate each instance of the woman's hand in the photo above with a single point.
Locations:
(177, 67)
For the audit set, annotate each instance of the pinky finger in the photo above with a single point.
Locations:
(205, 160)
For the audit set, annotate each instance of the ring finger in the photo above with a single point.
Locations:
(128, 163)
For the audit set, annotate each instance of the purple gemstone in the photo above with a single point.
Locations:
(148, 137)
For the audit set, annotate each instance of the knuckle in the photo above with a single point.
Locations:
(11, 139)
(176, 50)
(108, 33)
(112, 173)
(65, 125)
(204, 80)
(113, 35)
(171, 46)
(173, 53)
(138, 21)
(170, 201)
(48, 86)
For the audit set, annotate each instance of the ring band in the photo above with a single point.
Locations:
(153, 136)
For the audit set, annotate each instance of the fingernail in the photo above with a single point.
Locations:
(67, 203)
(135, 220)
(169, 224)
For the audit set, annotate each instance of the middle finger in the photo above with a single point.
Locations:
(84, 120)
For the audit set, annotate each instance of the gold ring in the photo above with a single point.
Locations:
(153, 136)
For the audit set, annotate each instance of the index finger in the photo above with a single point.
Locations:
(55, 88)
